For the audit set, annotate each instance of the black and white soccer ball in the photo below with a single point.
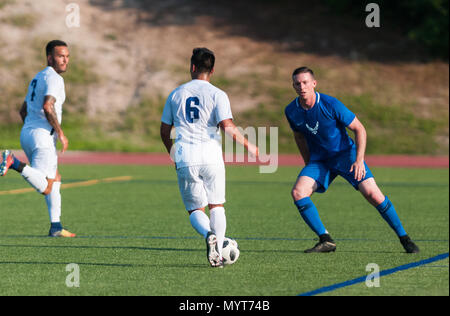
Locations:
(230, 251)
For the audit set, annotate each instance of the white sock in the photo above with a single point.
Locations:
(54, 203)
(200, 222)
(35, 178)
(218, 224)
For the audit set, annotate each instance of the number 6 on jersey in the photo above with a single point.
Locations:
(192, 112)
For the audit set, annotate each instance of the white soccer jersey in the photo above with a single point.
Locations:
(195, 109)
(47, 82)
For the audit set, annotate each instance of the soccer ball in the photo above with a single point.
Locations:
(230, 251)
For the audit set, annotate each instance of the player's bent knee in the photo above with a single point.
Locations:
(211, 206)
(49, 188)
(300, 193)
(374, 197)
(371, 192)
(198, 209)
(47, 191)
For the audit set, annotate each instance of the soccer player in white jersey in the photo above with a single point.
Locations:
(42, 114)
(197, 109)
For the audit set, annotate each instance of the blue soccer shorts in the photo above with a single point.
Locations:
(324, 172)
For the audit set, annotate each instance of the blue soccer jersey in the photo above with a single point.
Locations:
(323, 126)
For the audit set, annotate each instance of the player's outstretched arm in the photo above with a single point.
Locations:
(52, 118)
(302, 146)
(361, 140)
(231, 130)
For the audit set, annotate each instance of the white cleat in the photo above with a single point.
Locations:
(212, 251)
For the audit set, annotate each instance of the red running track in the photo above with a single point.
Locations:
(105, 158)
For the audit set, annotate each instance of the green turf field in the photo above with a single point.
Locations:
(134, 237)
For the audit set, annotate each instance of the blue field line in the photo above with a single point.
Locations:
(382, 273)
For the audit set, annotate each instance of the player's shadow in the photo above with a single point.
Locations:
(370, 251)
(65, 263)
(123, 265)
(302, 251)
(143, 248)
(112, 265)
(104, 247)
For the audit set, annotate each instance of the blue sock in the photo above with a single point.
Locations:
(387, 211)
(16, 164)
(56, 226)
(309, 213)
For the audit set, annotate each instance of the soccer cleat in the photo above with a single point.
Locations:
(409, 245)
(212, 251)
(325, 244)
(8, 160)
(61, 233)
(324, 247)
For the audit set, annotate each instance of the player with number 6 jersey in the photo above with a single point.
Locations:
(198, 110)
(199, 107)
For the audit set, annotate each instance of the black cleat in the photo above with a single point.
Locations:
(409, 245)
(325, 244)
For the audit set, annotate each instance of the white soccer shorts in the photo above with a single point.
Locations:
(40, 148)
(202, 185)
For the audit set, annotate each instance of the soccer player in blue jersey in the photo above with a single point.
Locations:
(319, 124)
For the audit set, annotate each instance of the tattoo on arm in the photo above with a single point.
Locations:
(50, 113)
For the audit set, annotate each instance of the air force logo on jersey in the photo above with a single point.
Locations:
(313, 130)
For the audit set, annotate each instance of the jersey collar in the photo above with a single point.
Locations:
(51, 68)
(317, 101)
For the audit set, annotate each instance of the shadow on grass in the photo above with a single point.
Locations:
(103, 247)
(260, 251)
(119, 265)
(65, 263)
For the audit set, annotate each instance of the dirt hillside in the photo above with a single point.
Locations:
(126, 53)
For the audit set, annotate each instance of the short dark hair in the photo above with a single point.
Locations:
(302, 70)
(203, 59)
(52, 44)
